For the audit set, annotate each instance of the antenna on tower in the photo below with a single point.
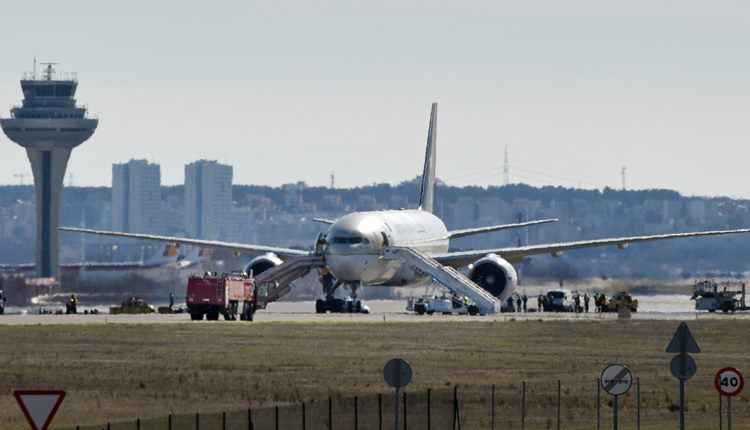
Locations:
(506, 168)
(624, 173)
(333, 180)
(34, 76)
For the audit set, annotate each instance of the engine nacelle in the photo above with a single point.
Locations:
(495, 275)
(262, 263)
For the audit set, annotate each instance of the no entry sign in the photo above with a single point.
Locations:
(729, 382)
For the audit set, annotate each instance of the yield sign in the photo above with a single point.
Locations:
(39, 407)
(683, 341)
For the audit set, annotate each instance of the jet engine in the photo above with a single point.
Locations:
(262, 263)
(495, 275)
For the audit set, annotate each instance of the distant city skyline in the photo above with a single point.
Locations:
(292, 92)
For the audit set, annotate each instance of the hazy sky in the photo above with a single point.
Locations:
(289, 91)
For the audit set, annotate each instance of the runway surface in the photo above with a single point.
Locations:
(665, 307)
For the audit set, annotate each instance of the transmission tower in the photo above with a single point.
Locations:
(506, 168)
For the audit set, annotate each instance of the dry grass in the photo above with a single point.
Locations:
(116, 372)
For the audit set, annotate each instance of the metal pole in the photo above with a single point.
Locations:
(615, 420)
(559, 401)
(304, 417)
(249, 419)
(682, 404)
(330, 413)
(197, 421)
(137, 424)
(405, 420)
(638, 403)
(492, 408)
(598, 405)
(356, 414)
(276, 417)
(223, 421)
(721, 413)
(396, 408)
(170, 422)
(523, 405)
(729, 413)
(429, 409)
(380, 411)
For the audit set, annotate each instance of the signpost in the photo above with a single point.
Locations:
(616, 380)
(397, 373)
(729, 382)
(683, 366)
(39, 407)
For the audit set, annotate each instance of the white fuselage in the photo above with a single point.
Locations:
(355, 242)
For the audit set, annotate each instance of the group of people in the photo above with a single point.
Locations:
(517, 303)
(577, 302)
(3, 300)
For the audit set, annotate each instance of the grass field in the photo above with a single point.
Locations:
(118, 372)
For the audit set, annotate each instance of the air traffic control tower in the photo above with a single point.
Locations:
(49, 125)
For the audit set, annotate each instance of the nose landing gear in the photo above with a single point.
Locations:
(332, 304)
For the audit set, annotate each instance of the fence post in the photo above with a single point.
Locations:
(429, 409)
(137, 424)
(197, 421)
(721, 417)
(523, 405)
(304, 417)
(380, 411)
(492, 408)
(559, 402)
(276, 417)
(109, 427)
(456, 410)
(223, 421)
(169, 422)
(330, 413)
(356, 413)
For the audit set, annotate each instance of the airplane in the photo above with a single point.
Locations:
(403, 247)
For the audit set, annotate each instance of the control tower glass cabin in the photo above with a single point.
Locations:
(48, 125)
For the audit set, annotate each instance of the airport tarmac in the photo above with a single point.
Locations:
(657, 307)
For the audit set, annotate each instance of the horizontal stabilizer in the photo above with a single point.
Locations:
(479, 230)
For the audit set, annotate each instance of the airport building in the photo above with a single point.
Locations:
(48, 124)
(136, 197)
(208, 198)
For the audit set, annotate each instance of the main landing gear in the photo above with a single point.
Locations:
(332, 304)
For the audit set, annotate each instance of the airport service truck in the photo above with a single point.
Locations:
(212, 294)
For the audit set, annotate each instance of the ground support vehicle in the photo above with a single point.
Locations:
(727, 297)
(212, 295)
(133, 305)
(351, 305)
(558, 301)
(621, 300)
(441, 304)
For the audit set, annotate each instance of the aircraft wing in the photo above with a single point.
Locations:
(324, 220)
(517, 254)
(238, 247)
(453, 234)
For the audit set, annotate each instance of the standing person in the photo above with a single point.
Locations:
(171, 300)
(519, 303)
(525, 299)
(2, 302)
(577, 300)
(586, 300)
(540, 303)
(509, 304)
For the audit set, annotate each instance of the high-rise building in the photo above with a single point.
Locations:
(136, 197)
(48, 125)
(208, 198)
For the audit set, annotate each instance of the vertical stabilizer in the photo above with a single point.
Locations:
(427, 190)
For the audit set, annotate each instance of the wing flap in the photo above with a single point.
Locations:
(239, 247)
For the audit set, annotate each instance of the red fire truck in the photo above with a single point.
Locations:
(212, 294)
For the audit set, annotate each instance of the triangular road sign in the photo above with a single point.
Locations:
(683, 341)
(39, 407)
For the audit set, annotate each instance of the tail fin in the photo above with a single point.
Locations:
(427, 190)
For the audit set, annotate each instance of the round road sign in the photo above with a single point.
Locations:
(616, 379)
(683, 367)
(729, 382)
(397, 373)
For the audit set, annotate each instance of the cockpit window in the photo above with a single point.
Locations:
(350, 240)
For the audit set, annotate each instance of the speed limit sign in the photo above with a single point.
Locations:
(729, 382)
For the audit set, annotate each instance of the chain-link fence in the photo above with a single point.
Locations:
(550, 407)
